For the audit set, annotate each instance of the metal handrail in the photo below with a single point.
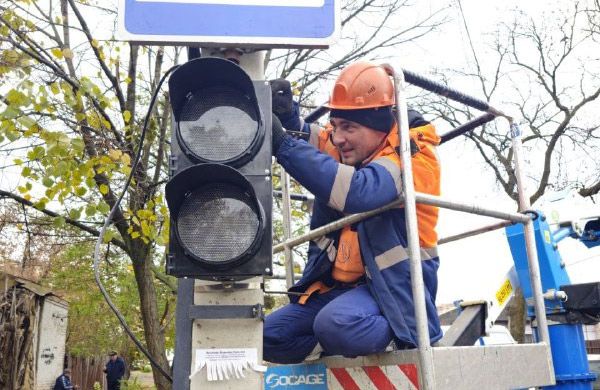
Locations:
(420, 198)
(532, 257)
(412, 232)
(287, 227)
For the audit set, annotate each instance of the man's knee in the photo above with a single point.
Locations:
(334, 330)
(275, 340)
(350, 333)
(282, 345)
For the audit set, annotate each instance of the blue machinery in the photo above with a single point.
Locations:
(568, 306)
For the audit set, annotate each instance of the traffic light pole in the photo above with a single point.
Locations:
(219, 325)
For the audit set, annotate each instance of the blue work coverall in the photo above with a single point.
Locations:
(364, 319)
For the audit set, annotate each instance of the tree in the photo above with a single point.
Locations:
(93, 328)
(593, 14)
(371, 29)
(75, 109)
(543, 71)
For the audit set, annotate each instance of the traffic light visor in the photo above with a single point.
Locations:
(217, 217)
(216, 112)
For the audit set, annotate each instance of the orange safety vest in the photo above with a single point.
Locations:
(348, 265)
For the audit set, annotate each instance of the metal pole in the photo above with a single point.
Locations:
(332, 227)
(421, 198)
(466, 127)
(287, 227)
(433, 200)
(532, 257)
(414, 247)
(474, 232)
(443, 90)
(316, 114)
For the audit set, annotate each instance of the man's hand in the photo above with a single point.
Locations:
(284, 106)
(282, 98)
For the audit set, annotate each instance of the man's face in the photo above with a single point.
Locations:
(113, 357)
(354, 141)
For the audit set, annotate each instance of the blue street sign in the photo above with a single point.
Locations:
(264, 23)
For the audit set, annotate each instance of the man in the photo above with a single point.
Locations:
(356, 288)
(63, 382)
(115, 370)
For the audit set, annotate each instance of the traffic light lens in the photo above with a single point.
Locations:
(218, 125)
(218, 223)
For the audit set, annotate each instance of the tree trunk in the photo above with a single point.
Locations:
(155, 338)
(516, 316)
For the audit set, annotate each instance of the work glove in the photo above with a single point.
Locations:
(284, 106)
(277, 134)
(415, 119)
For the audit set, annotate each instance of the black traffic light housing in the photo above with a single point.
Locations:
(220, 191)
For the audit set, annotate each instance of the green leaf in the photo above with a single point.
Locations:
(103, 189)
(90, 210)
(12, 135)
(41, 204)
(59, 222)
(47, 182)
(75, 214)
(17, 98)
(77, 145)
(103, 208)
(108, 235)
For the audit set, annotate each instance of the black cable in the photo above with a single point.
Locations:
(108, 221)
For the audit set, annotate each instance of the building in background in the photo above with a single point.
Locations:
(33, 332)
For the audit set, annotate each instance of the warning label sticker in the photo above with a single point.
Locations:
(504, 292)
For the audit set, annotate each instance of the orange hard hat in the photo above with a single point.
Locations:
(361, 85)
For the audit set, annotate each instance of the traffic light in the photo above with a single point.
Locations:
(220, 192)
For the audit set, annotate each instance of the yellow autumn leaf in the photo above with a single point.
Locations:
(126, 116)
(67, 53)
(57, 52)
(54, 87)
(103, 189)
(126, 159)
(115, 154)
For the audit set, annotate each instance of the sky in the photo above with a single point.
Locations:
(474, 268)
